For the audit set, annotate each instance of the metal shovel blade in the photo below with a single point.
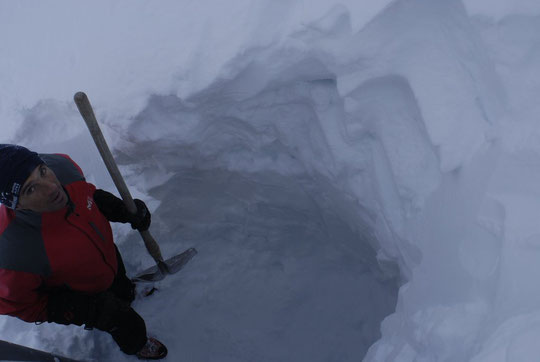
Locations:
(170, 266)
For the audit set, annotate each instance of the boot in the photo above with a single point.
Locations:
(153, 349)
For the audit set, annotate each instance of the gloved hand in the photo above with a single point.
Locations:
(103, 311)
(115, 210)
(68, 307)
(142, 219)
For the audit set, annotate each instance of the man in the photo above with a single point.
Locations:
(58, 261)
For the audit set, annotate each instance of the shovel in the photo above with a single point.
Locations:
(162, 267)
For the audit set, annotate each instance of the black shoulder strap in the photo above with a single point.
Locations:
(64, 168)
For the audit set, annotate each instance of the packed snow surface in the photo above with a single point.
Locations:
(361, 178)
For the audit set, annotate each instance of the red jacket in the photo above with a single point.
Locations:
(72, 247)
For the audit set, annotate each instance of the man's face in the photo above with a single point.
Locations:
(42, 192)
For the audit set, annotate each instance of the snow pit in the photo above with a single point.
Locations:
(285, 249)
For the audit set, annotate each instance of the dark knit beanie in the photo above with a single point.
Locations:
(16, 164)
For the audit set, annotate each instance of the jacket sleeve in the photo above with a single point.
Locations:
(19, 296)
(115, 210)
(111, 206)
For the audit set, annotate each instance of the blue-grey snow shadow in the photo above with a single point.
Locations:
(279, 274)
(286, 269)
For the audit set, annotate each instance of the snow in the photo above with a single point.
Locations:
(360, 178)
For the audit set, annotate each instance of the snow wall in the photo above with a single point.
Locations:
(358, 184)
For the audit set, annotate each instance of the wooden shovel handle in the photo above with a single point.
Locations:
(87, 113)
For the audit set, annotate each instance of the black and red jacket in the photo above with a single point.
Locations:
(69, 248)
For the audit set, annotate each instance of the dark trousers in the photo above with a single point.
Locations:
(130, 333)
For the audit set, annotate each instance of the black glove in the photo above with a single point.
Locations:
(115, 210)
(68, 307)
(103, 311)
(142, 219)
